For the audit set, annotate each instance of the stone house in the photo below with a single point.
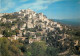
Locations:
(4, 20)
(1, 35)
(76, 42)
(58, 25)
(19, 34)
(15, 37)
(23, 26)
(34, 40)
(10, 21)
(22, 38)
(40, 16)
(29, 24)
(14, 27)
(0, 19)
(55, 23)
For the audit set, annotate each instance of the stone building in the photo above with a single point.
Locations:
(1, 35)
(38, 39)
(4, 20)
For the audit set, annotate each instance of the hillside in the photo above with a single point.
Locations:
(27, 33)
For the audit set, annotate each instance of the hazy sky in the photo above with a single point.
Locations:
(58, 9)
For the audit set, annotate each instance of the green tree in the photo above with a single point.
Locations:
(37, 49)
(38, 34)
(7, 33)
(51, 51)
(8, 48)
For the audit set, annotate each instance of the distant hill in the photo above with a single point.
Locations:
(72, 22)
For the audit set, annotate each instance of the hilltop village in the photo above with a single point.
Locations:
(28, 22)
(29, 26)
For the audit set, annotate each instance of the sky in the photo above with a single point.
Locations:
(53, 9)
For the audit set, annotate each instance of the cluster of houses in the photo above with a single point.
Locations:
(30, 20)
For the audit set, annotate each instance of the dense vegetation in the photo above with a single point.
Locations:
(20, 48)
